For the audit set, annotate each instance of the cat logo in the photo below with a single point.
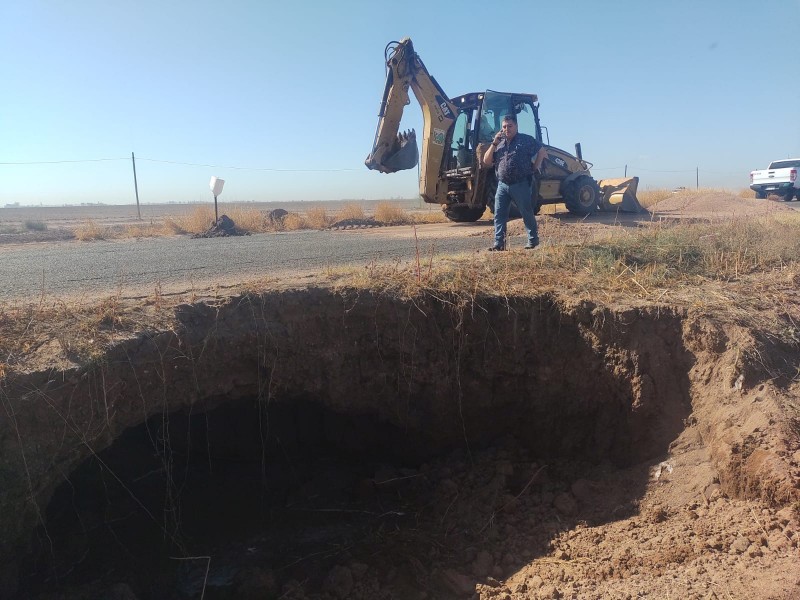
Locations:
(558, 160)
(443, 106)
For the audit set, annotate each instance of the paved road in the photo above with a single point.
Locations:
(92, 268)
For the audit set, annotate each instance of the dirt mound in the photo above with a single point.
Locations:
(715, 204)
(223, 227)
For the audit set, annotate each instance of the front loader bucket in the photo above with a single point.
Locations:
(620, 195)
(402, 155)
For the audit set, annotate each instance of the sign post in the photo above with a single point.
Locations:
(216, 185)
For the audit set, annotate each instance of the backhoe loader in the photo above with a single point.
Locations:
(456, 134)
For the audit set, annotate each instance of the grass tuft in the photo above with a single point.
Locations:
(35, 225)
(317, 218)
(391, 214)
(91, 231)
(351, 211)
(294, 222)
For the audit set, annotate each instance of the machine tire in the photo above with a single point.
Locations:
(582, 196)
(789, 195)
(458, 213)
(761, 195)
(491, 190)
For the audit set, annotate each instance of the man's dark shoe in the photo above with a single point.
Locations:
(531, 245)
(497, 249)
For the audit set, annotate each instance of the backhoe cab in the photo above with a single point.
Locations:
(456, 133)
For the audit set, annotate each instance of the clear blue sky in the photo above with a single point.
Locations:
(294, 86)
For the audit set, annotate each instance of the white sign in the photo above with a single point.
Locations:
(216, 186)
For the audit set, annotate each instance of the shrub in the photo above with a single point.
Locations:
(350, 211)
(91, 231)
(35, 225)
(391, 214)
(293, 222)
(317, 218)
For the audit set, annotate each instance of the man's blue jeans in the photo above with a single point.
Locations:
(520, 194)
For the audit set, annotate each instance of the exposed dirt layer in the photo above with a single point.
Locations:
(320, 444)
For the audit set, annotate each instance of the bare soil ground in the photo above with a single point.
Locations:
(564, 531)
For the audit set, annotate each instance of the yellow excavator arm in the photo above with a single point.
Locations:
(393, 150)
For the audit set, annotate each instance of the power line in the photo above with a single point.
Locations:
(175, 162)
(56, 162)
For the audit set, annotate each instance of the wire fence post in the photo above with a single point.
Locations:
(136, 188)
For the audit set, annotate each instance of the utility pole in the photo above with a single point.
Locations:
(697, 178)
(136, 187)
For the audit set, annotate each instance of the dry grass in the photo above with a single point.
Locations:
(658, 262)
(91, 231)
(249, 219)
(350, 211)
(391, 214)
(317, 218)
(430, 216)
(294, 221)
(35, 225)
(736, 268)
(197, 221)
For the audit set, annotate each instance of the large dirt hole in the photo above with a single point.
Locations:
(253, 483)
(398, 447)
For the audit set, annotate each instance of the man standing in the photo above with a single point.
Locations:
(515, 156)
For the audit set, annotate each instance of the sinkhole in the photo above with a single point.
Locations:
(321, 452)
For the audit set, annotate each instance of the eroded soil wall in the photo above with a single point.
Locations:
(427, 376)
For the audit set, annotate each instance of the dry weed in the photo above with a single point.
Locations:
(90, 231)
(317, 218)
(350, 211)
(250, 220)
(197, 221)
(391, 214)
(429, 216)
(145, 230)
(35, 225)
(294, 221)
(173, 226)
(654, 263)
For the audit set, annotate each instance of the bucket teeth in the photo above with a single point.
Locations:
(404, 153)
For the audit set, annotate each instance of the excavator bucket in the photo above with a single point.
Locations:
(620, 195)
(403, 154)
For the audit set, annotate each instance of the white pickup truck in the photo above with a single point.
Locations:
(779, 178)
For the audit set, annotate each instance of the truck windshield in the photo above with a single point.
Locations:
(786, 164)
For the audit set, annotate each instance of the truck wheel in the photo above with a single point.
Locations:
(789, 195)
(460, 213)
(761, 195)
(582, 196)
